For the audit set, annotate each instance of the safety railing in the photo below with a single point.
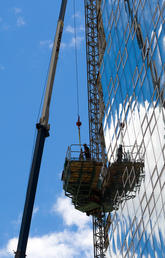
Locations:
(79, 152)
(128, 153)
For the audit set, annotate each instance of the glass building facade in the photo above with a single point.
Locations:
(132, 73)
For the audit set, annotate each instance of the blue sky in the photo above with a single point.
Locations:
(27, 30)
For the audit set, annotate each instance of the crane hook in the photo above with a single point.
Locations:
(78, 123)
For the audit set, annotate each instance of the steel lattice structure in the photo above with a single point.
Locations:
(98, 235)
(92, 53)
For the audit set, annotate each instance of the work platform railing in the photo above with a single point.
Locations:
(76, 152)
(131, 153)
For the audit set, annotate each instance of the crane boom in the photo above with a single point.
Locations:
(43, 132)
(53, 64)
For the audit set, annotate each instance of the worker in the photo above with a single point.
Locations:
(119, 153)
(81, 156)
(87, 152)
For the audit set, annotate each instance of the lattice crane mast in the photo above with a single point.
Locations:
(97, 151)
(43, 131)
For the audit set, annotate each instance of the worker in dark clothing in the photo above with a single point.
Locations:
(87, 152)
(81, 156)
(119, 153)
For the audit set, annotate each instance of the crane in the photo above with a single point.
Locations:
(43, 132)
(80, 177)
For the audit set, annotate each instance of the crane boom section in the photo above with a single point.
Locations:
(52, 69)
(43, 132)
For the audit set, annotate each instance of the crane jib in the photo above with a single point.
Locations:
(52, 70)
(43, 132)
(59, 37)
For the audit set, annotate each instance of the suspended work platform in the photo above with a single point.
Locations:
(123, 177)
(81, 180)
(95, 187)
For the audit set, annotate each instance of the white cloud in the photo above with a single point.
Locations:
(63, 45)
(69, 29)
(20, 21)
(68, 243)
(2, 67)
(17, 221)
(77, 15)
(70, 215)
(78, 40)
(49, 43)
(17, 10)
(35, 210)
(6, 26)
(46, 43)
(81, 28)
(4, 253)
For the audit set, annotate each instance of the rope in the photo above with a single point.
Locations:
(76, 59)
(79, 136)
(76, 62)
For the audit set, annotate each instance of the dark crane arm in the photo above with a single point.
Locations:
(43, 132)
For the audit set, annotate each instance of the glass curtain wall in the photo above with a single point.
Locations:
(132, 73)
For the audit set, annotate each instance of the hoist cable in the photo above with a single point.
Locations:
(76, 59)
(79, 136)
(76, 62)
